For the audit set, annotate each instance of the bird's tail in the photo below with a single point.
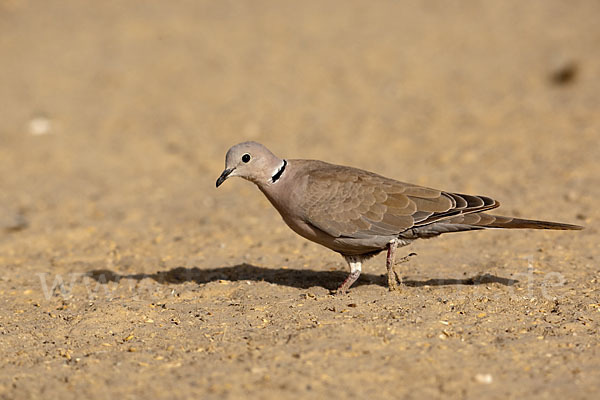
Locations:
(482, 220)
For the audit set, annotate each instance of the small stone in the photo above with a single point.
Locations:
(39, 126)
(484, 378)
(564, 72)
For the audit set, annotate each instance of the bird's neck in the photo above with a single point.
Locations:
(273, 187)
(278, 172)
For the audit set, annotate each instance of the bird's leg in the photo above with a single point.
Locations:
(400, 261)
(392, 246)
(355, 267)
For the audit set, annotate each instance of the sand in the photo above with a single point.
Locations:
(126, 274)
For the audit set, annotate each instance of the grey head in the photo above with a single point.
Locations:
(252, 161)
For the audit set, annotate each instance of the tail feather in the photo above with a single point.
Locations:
(496, 221)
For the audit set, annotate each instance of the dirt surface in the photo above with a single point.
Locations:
(126, 274)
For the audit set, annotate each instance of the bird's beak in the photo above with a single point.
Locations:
(224, 176)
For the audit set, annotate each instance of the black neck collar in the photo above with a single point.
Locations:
(278, 174)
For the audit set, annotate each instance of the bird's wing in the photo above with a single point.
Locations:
(349, 202)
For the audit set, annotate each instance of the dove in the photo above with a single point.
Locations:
(358, 213)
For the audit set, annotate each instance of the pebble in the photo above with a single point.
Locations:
(39, 126)
(484, 378)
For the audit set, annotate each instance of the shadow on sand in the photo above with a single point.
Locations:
(298, 278)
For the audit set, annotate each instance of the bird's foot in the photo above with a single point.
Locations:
(405, 258)
(398, 278)
(393, 280)
(352, 277)
(389, 264)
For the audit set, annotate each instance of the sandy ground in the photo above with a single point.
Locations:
(126, 274)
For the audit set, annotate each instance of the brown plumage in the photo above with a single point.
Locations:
(358, 213)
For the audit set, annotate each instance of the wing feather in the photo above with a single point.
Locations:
(349, 202)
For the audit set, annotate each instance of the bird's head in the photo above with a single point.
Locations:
(251, 161)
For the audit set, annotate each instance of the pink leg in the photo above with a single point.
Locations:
(355, 267)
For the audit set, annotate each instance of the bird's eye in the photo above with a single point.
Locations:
(246, 158)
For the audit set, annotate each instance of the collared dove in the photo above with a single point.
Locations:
(359, 213)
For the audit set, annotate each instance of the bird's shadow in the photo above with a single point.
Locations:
(298, 278)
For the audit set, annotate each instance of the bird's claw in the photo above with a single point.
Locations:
(405, 258)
